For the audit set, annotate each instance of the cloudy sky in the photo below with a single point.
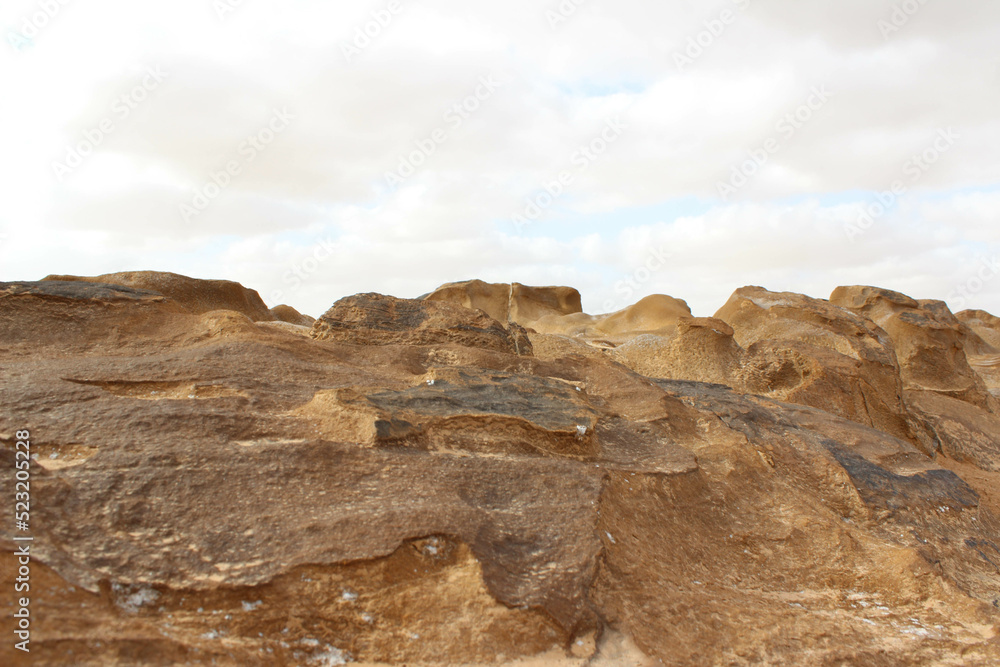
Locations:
(312, 150)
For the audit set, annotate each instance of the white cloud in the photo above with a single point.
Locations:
(353, 121)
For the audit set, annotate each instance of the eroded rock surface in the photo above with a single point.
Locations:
(198, 296)
(512, 302)
(376, 319)
(984, 358)
(288, 314)
(425, 482)
(928, 339)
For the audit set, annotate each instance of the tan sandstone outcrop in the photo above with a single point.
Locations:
(288, 314)
(657, 315)
(510, 301)
(375, 319)
(984, 358)
(410, 485)
(198, 296)
(813, 352)
(928, 340)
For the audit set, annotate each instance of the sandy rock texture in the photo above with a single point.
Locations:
(198, 296)
(489, 476)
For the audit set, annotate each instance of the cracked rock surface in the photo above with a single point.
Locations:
(490, 476)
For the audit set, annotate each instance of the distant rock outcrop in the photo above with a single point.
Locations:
(375, 319)
(657, 314)
(198, 296)
(288, 314)
(928, 339)
(985, 325)
(510, 301)
(985, 357)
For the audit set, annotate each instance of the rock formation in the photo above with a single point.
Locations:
(488, 477)
(198, 296)
(984, 356)
(288, 314)
(929, 341)
(514, 302)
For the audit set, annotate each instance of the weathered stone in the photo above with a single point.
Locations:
(198, 296)
(288, 314)
(403, 487)
(928, 341)
(512, 302)
(375, 319)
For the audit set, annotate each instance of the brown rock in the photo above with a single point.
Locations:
(510, 301)
(288, 314)
(656, 314)
(812, 352)
(80, 315)
(984, 358)
(701, 349)
(375, 319)
(987, 326)
(210, 490)
(928, 339)
(967, 433)
(198, 296)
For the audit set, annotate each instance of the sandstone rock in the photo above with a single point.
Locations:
(404, 488)
(654, 313)
(510, 301)
(928, 341)
(757, 314)
(987, 326)
(198, 296)
(375, 319)
(288, 314)
(79, 315)
(812, 352)
(701, 349)
(984, 358)
(967, 434)
(657, 314)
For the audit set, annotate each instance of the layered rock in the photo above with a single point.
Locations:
(928, 339)
(698, 348)
(80, 315)
(984, 357)
(375, 319)
(816, 353)
(407, 485)
(985, 325)
(198, 296)
(510, 301)
(657, 315)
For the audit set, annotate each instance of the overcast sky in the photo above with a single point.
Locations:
(312, 150)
